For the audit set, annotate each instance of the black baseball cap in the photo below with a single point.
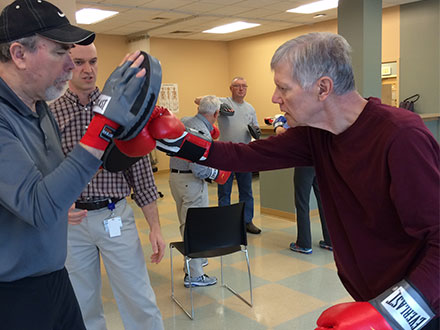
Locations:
(25, 18)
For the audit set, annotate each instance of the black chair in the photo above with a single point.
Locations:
(212, 232)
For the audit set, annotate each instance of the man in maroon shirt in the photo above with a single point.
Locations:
(378, 172)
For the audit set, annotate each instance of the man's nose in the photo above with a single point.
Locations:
(87, 67)
(69, 63)
(275, 97)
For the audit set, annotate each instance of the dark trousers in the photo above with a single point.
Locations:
(304, 179)
(40, 303)
(244, 182)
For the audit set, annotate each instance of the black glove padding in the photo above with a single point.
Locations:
(128, 100)
(114, 160)
(255, 131)
(226, 110)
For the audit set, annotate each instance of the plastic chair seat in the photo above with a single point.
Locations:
(212, 232)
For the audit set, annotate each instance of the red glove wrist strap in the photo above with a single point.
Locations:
(100, 132)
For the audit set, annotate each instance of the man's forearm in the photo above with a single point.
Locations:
(151, 214)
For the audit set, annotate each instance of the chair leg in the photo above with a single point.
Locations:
(172, 272)
(221, 270)
(249, 273)
(191, 316)
(187, 260)
(250, 280)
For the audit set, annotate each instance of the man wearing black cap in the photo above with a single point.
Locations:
(38, 183)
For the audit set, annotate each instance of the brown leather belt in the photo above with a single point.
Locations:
(95, 204)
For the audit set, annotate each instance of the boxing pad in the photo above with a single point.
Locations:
(120, 155)
(226, 110)
(268, 120)
(128, 100)
(254, 131)
(114, 160)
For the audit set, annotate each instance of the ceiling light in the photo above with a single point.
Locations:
(232, 27)
(315, 7)
(93, 15)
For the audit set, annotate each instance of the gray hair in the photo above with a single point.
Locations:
(236, 78)
(314, 55)
(30, 43)
(209, 104)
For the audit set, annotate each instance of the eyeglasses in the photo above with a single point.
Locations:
(240, 86)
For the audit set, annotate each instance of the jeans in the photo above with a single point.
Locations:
(244, 182)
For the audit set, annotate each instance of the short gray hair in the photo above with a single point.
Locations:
(30, 43)
(314, 55)
(237, 78)
(209, 104)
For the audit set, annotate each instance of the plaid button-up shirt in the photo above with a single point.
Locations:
(73, 120)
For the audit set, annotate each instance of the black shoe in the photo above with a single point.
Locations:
(251, 228)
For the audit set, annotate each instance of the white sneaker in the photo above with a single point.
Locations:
(203, 280)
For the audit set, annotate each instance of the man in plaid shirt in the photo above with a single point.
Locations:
(102, 223)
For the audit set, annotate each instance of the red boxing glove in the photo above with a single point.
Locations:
(164, 125)
(222, 177)
(162, 122)
(215, 132)
(139, 146)
(100, 132)
(219, 176)
(354, 315)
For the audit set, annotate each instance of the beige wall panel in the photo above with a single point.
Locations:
(197, 67)
(111, 50)
(391, 34)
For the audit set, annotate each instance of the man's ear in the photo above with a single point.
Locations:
(18, 52)
(325, 87)
(216, 114)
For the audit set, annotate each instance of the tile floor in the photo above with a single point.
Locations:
(290, 290)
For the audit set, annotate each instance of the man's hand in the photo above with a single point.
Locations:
(158, 246)
(151, 214)
(75, 217)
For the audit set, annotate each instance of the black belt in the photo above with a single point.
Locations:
(180, 171)
(95, 205)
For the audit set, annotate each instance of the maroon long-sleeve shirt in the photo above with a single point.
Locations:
(380, 188)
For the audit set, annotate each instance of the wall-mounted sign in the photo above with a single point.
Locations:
(169, 97)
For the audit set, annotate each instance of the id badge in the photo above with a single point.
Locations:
(113, 226)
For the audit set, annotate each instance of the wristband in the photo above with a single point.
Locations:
(403, 307)
(100, 132)
(214, 174)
